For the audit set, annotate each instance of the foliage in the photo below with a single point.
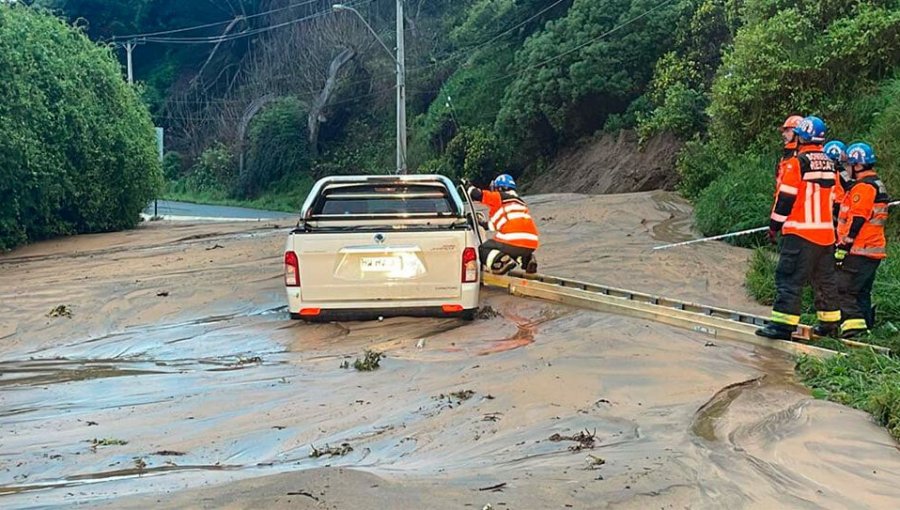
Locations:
(577, 75)
(278, 146)
(214, 170)
(682, 112)
(760, 282)
(285, 195)
(797, 60)
(862, 379)
(77, 148)
(475, 154)
(740, 198)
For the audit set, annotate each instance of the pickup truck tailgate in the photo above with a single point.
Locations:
(380, 266)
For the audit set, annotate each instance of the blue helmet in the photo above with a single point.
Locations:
(861, 154)
(503, 181)
(835, 150)
(811, 129)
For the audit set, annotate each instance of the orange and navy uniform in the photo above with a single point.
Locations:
(510, 218)
(863, 214)
(803, 206)
(789, 151)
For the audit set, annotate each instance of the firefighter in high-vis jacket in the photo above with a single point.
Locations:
(860, 240)
(790, 145)
(803, 215)
(515, 233)
(837, 151)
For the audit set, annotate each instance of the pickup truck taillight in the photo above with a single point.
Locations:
(291, 269)
(469, 266)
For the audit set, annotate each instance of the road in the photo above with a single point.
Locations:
(185, 209)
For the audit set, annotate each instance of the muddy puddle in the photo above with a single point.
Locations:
(210, 397)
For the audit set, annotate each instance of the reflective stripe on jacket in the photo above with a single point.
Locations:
(805, 196)
(510, 219)
(866, 203)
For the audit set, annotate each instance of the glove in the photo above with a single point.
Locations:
(465, 183)
(841, 252)
(772, 234)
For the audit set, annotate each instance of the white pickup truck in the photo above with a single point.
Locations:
(374, 246)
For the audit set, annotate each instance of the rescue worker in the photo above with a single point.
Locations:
(837, 151)
(802, 214)
(515, 233)
(790, 145)
(861, 241)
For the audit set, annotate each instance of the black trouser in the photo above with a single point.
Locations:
(513, 251)
(803, 262)
(855, 280)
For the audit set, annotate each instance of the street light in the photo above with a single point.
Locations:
(399, 61)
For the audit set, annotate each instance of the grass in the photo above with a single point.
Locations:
(282, 196)
(371, 361)
(862, 379)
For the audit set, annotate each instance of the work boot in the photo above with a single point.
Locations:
(826, 329)
(853, 333)
(503, 264)
(776, 331)
(531, 266)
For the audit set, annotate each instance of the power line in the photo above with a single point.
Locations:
(240, 35)
(209, 25)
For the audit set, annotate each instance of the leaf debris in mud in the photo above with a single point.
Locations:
(371, 361)
(585, 440)
(334, 451)
(105, 442)
(486, 313)
(594, 462)
(462, 395)
(248, 361)
(60, 311)
(139, 464)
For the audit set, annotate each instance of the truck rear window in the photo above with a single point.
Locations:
(385, 200)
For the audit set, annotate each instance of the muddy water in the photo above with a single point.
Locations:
(206, 393)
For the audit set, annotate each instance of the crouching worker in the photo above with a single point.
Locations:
(515, 234)
(861, 241)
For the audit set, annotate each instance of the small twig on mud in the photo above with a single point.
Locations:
(169, 453)
(333, 451)
(584, 439)
(303, 493)
(248, 361)
(139, 464)
(60, 311)
(494, 488)
(164, 293)
(371, 361)
(214, 247)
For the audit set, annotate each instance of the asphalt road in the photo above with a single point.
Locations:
(170, 208)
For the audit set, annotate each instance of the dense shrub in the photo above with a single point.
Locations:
(739, 199)
(77, 147)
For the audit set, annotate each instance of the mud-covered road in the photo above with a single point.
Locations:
(179, 381)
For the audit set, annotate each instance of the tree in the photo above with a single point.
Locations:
(77, 147)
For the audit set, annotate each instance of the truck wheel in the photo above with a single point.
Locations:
(296, 316)
(468, 315)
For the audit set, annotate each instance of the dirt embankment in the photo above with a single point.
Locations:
(610, 164)
(180, 382)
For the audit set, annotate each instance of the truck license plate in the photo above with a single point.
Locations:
(380, 264)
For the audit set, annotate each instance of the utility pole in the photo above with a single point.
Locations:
(129, 47)
(400, 61)
(401, 92)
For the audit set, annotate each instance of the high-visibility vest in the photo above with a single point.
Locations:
(810, 177)
(866, 199)
(510, 219)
